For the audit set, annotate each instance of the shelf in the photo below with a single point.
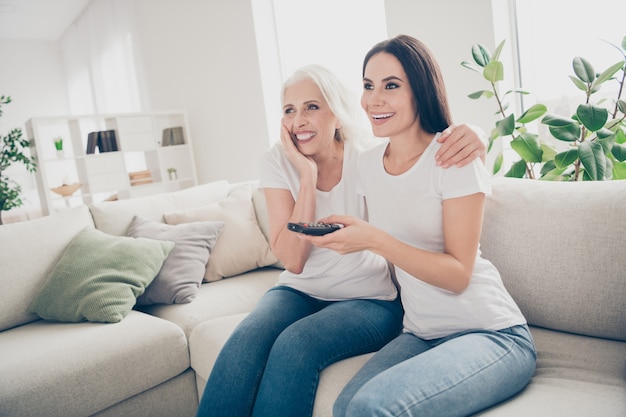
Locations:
(138, 140)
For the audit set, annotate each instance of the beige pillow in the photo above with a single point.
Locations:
(241, 246)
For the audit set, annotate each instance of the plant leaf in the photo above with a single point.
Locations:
(548, 153)
(619, 171)
(593, 117)
(549, 172)
(592, 157)
(570, 133)
(621, 105)
(619, 152)
(494, 71)
(472, 66)
(518, 170)
(481, 93)
(506, 126)
(583, 69)
(516, 90)
(553, 120)
(481, 54)
(496, 53)
(564, 159)
(578, 83)
(606, 141)
(528, 147)
(497, 163)
(562, 128)
(608, 73)
(605, 133)
(532, 113)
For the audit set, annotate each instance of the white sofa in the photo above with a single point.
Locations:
(558, 246)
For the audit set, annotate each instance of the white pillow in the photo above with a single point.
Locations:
(241, 246)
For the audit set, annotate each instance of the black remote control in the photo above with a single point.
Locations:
(314, 229)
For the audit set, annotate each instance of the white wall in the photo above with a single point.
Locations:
(201, 56)
(450, 28)
(31, 73)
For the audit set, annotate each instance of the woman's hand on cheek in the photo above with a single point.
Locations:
(303, 164)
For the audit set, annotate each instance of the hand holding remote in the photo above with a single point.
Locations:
(313, 228)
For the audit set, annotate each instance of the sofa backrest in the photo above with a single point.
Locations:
(114, 217)
(28, 252)
(560, 249)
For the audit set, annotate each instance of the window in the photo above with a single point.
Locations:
(542, 39)
(294, 33)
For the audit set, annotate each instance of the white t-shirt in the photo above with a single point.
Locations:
(328, 275)
(409, 207)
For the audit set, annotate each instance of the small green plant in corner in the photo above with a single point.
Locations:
(595, 134)
(12, 147)
(58, 143)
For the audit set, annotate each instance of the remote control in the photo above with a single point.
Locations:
(314, 229)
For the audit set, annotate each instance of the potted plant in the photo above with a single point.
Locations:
(58, 145)
(12, 147)
(595, 134)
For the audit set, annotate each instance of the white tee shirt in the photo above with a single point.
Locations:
(328, 275)
(409, 207)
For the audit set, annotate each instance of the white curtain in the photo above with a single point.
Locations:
(99, 60)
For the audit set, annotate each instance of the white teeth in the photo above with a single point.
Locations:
(305, 136)
(382, 116)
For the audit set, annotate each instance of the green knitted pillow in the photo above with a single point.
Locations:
(99, 277)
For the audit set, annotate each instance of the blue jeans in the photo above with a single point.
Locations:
(458, 375)
(271, 363)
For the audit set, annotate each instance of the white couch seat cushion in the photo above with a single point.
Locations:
(576, 376)
(207, 339)
(233, 295)
(74, 369)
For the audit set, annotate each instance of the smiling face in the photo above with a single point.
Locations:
(387, 97)
(308, 118)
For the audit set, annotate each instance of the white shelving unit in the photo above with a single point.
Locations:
(106, 175)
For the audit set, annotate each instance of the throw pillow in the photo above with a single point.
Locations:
(182, 272)
(99, 277)
(241, 246)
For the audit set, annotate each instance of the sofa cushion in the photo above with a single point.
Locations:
(114, 217)
(576, 376)
(241, 246)
(559, 247)
(175, 397)
(262, 217)
(216, 299)
(36, 246)
(99, 277)
(182, 272)
(78, 369)
(207, 339)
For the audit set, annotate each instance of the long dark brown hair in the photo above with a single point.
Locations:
(424, 77)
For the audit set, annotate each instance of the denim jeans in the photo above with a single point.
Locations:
(458, 375)
(271, 363)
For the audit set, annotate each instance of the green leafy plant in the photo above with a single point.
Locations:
(12, 147)
(595, 134)
(58, 143)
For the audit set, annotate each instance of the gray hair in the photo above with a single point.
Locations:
(340, 100)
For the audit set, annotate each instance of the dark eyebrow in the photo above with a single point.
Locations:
(390, 78)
